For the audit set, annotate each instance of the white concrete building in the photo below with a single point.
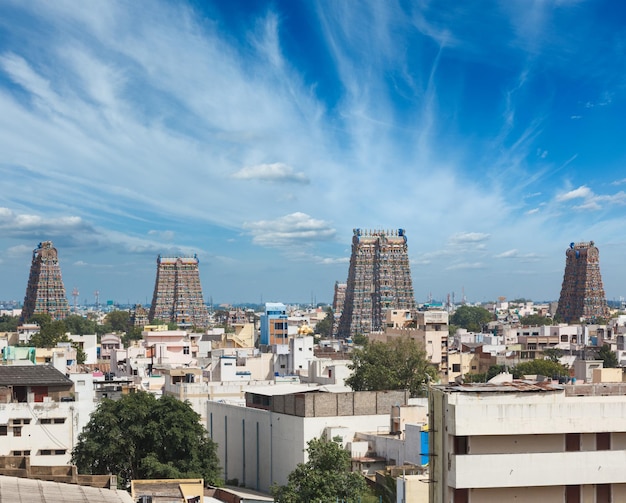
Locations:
(527, 442)
(37, 414)
(261, 443)
(89, 344)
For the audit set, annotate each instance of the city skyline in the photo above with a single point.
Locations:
(258, 134)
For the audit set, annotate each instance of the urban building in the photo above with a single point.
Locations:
(274, 324)
(339, 297)
(37, 414)
(527, 441)
(261, 443)
(45, 293)
(139, 316)
(178, 294)
(582, 293)
(379, 279)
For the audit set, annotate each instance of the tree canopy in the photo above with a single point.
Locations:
(142, 437)
(546, 368)
(472, 318)
(9, 323)
(609, 357)
(535, 320)
(325, 477)
(117, 320)
(325, 327)
(398, 364)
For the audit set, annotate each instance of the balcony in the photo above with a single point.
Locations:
(537, 469)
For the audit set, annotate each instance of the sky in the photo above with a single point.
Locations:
(259, 134)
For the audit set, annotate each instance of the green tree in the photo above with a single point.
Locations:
(398, 364)
(9, 323)
(325, 327)
(117, 320)
(546, 368)
(140, 436)
(608, 357)
(472, 318)
(79, 326)
(553, 354)
(535, 320)
(325, 477)
(49, 335)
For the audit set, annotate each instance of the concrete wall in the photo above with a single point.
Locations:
(339, 404)
(259, 447)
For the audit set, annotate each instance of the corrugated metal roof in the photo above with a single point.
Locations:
(32, 375)
(14, 489)
(505, 387)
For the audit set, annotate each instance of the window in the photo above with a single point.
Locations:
(461, 445)
(59, 452)
(603, 441)
(45, 420)
(17, 431)
(3, 430)
(572, 494)
(186, 350)
(80, 383)
(17, 453)
(572, 442)
(456, 367)
(59, 420)
(45, 452)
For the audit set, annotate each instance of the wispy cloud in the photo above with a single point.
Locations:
(276, 172)
(581, 192)
(591, 200)
(297, 229)
(465, 266)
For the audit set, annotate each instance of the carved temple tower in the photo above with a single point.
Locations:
(379, 279)
(582, 294)
(45, 293)
(178, 294)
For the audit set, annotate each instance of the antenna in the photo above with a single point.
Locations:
(96, 294)
(75, 294)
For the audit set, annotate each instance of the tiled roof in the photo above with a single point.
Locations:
(32, 375)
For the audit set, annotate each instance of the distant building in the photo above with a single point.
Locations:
(339, 297)
(379, 279)
(178, 294)
(582, 294)
(45, 293)
(139, 316)
(274, 324)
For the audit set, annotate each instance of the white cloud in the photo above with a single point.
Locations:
(276, 172)
(581, 192)
(508, 254)
(297, 229)
(533, 211)
(162, 235)
(36, 227)
(469, 237)
(20, 251)
(465, 266)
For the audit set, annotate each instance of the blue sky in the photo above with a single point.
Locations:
(259, 134)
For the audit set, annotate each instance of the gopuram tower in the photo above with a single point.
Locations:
(582, 294)
(177, 293)
(379, 279)
(45, 292)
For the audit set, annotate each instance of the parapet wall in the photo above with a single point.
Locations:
(359, 403)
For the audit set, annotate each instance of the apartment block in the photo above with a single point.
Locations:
(527, 442)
